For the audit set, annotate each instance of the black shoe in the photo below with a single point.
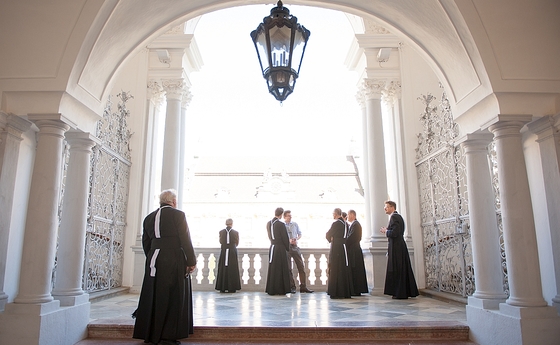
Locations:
(305, 290)
(293, 290)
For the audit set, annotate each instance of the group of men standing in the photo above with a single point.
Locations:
(346, 269)
(346, 272)
(283, 238)
(165, 310)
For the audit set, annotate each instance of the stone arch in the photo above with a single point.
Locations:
(122, 35)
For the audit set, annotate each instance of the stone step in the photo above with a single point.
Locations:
(400, 331)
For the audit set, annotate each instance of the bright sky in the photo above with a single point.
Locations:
(232, 112)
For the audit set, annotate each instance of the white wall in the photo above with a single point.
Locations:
(132, 78)
(417, 79)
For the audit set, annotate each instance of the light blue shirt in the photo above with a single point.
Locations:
(293, 230)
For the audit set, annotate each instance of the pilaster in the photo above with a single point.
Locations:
(11, 129)
(549, 145)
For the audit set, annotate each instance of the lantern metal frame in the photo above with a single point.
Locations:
(271, 40)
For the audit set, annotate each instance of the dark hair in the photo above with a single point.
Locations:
(352, 212)
(278, 211)
(391, 203)
(286, 212)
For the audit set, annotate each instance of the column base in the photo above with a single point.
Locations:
(139, 268)
(513, 325)
(68, 301)
(375, 259)
(555, 303)
(486, 303)
(44, 324)
(3, 300)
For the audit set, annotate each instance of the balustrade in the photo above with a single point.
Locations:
(253, 267)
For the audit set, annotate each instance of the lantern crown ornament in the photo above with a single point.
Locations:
(280, 43)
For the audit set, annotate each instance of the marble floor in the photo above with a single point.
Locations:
(293, 310)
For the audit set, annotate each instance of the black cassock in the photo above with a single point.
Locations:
(278, 277)
(339, 284)
(399, 281)
(165, 309)
(228, 278)
(356, 258)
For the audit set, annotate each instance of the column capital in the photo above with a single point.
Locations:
(14, 124)
(187, 98)
(544, 127)
(81, 140)
(373, 88)
(361, 97)
(392, 92)
(155, 92)
(475, 141)
(174, 88)
(58, 121)
(506, 121)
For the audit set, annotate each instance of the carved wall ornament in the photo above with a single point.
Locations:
(374, 28)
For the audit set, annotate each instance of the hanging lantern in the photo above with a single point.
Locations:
(280, 42)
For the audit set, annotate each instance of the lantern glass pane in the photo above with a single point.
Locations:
(299, 46)
(280, 43)
(260, 43)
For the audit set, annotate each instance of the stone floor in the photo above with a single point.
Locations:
(256, 309)
(295, 310)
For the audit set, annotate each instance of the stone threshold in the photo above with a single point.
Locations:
(397, 330)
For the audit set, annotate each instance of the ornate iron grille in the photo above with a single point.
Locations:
(444, 210)
(110, 171)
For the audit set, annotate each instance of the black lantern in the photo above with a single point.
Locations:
(280, 42)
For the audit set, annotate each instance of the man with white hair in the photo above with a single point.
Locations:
(165, 309)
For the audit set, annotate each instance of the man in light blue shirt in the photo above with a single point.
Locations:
(294, 234)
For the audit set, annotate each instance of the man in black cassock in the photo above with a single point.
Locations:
(399, 280)
(339, 284)
(228, 278)
(355, 255)
(278, 278)
(165, 309)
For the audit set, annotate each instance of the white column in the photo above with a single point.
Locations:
(11, 129)
(549, 145)
(171, 147)
(41, 225)
(185, 100)
(360, 97)
(485, 236)
(525, 318)
(72, 233)
(376, 156)
(520, 239)
(375, 256)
